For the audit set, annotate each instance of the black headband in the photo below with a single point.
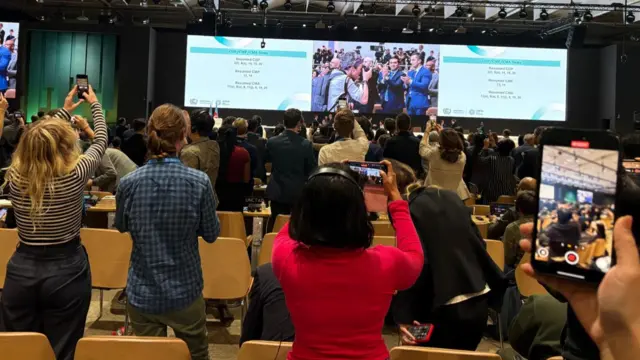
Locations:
(333, 171)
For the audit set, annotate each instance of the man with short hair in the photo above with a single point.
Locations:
(202, 154)
(374, 97)
(342, 83)
(391, 87)
(390, 126)
(405, 146)
(526, 206)
(135, 142)
(518, 153)
(351, 143)
(531, 158)
(292, 161)
(11, 36)
(254, 137)
(417, 84)
(498, 227)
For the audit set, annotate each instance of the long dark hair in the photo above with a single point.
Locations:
(335, 200)
(450, 145)
(227, 140)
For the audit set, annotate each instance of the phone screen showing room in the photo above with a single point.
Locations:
(630, 194)
(576, 207)
(374, 196)
(83, 83)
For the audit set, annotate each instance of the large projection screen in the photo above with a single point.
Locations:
(420, 78)
(9, 34)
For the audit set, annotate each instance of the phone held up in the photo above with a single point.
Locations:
(374, 196)
(82, 81)
(422, 333)
(578, 183)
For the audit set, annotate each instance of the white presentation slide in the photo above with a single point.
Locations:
(502, 82)
(230, 72)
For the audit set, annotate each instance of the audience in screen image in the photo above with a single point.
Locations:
(576, 211)
(375, 77)
(8, 59)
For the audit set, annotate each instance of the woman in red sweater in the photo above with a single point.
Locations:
(337, 287)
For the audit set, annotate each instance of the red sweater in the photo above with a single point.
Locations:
(338, 298)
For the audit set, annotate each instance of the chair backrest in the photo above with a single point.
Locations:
(425, 353)
(281, 220)
(506, 199)
(526, 284)
(25, 346)
(266, 249)
(131, 348)
(482, 210)
(232, 225)
(109, 254)
(225, 268)
(483, 228)
(384, 240)
(556, 358)
(8, 243)
(383, 228)
(495, 248)
(257, 182)
(264, 350)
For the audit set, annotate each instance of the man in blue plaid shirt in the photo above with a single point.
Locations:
(165, 206)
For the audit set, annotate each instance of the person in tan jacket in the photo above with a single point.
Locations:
(351, 144)
(202, 154)
(446, 161)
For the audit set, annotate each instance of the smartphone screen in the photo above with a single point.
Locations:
(499, 209)
(629, 198)
(83, 84)
(574, 224)
(374, 197)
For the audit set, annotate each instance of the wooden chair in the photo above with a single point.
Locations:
(8, 243)
(266, 248)
(527, 285)
(483, 228)
(506, 199)
(232, 226)
(281, 220)
(470, 201)
(482, 210)
(495, 248)
(131, 348)
(383, 228)
(264, 350)
(226, 270)
(257, 182)
(384, 240)
(425, 353)
(556, 358)
(109, 254)
(25, 346)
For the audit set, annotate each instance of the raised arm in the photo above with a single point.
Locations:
(88, 164)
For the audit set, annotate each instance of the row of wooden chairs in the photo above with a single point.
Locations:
(380, 228)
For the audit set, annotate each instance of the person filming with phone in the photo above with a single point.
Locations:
(324, 256)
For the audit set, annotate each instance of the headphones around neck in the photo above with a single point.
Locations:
(324, 171)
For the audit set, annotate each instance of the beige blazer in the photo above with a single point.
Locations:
(442, 173)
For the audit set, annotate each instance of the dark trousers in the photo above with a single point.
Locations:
(48, 290)
(277, 208)
(460, 326)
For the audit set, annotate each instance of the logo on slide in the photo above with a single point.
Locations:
(193, 101)
(234, 42)
(486, 51)
(554, 111)
(300, 101)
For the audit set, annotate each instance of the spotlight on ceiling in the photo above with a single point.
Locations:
(331, 6)
(502, 13)
(469, 12)
(264, 4)
(254, 6)
(304, 25)
(143, 3)
(523, 13)
(493, 32)
(630, 17)
(577, 18)
(459, 12)
(484, 31)
(288, 5)
(246, 4)
(355, 27)
(361, 11)
(416, 10)
(145, 21)
(254, 24)
(588, 16)
(544, 15)
(42, 18)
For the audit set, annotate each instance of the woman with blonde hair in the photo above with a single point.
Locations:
(48, 283)
(166, 205)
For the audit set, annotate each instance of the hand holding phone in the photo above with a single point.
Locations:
(416, 333)
(82, 81)
(375, 188)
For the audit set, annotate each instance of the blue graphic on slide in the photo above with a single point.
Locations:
(233, 42)
(486, 51)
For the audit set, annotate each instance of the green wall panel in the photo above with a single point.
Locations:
(55, 58)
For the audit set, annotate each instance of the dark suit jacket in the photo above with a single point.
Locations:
(418, 90)
(530, 165)
(395, 101)
(261, 146)
(267, 317)
(405, 147)
(518, 154)
(292, 161)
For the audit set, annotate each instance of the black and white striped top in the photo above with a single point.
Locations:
(61, 216)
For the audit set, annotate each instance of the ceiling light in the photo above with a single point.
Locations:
(502, 13)
(145, 21)
(484, 31)
(264, 4)
(278, 24)
(143, 3)
(254, 24)
(470, 12)
(200, 20)
(254, 6)
(630, 17)
(288, 5)
(82, 17)
(330, 6)
(246, 4)
(523, 13)
(588, 16)
(42, 18)
(304, 25)
(416, 10)
(459, 12)
(431, 29)
(493, 32)
(355, 27)
(361, 11)
(544, 15)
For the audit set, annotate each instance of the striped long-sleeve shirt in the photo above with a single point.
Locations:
(62, 205)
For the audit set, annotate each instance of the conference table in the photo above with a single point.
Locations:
(99, 216)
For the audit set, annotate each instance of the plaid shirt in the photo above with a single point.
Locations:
(165, 206)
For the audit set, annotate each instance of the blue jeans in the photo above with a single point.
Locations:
(48, 290)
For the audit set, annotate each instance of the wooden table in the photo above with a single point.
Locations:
(97, 215)
(482, 222)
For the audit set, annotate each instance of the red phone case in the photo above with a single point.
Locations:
(428, 336)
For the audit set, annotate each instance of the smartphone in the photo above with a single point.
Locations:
(629, 198)
(422, 333)
(498, 209)
(374, 197)
(576, 204)
(83, 85)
